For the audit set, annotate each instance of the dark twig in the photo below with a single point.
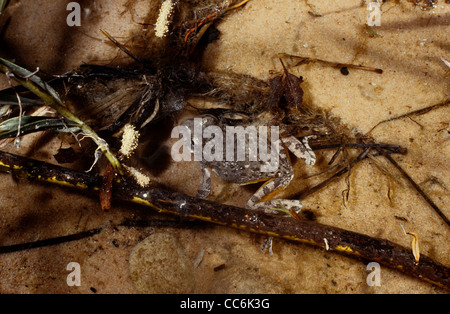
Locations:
(49, 242)
(416, 187)
(330, 238)
(413, 113)
(334, 177)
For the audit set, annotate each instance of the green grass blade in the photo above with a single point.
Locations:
(2, 5)
(33, 78)
(31, 124)
(6, 99)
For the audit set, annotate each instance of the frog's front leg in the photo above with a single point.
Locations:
(263, 198)
(301, 148)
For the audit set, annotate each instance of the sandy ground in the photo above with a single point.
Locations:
(200, 258)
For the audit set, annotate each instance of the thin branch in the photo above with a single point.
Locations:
(334, 177)
(49, 242)
(413, 113)
(416, 187)
(305, 60)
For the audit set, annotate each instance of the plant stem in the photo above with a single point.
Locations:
(66, 113)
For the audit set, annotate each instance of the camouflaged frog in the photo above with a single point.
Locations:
(243, 165)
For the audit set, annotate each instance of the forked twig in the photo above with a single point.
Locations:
(413, 113)
(382, 149)
(121, 47)
(334, 177)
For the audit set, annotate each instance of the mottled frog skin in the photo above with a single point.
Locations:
(248, 171)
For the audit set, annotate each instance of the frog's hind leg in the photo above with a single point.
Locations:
(205, 187)
(264, 200)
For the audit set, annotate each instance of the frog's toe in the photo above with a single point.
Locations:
(276, 206)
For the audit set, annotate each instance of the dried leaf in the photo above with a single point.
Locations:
(66, 156)
(415, 246)
(276, 91)
(34, 78)
(293, 93)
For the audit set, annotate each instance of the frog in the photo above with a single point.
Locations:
(248, 170)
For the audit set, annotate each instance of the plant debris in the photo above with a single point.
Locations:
(119, 107)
